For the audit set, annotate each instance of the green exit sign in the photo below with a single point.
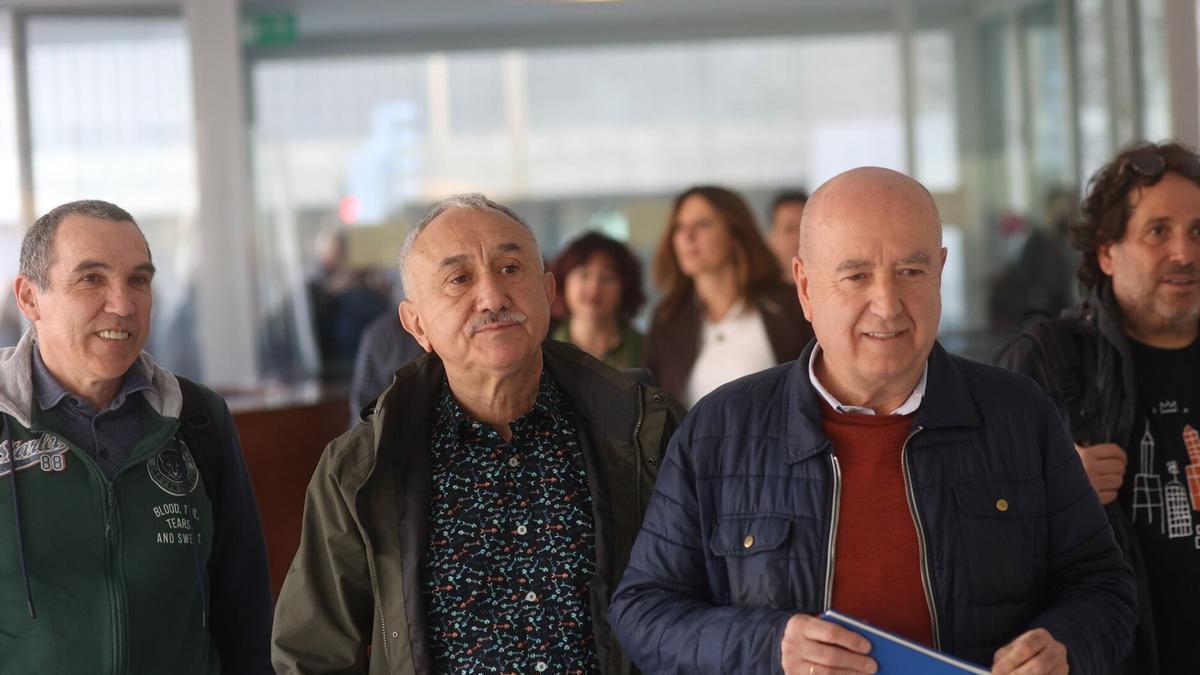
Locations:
(273, 29)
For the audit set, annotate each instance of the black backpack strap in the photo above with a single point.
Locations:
(1068, 359)
(200, 433)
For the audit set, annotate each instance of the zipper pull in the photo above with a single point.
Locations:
(111, 507)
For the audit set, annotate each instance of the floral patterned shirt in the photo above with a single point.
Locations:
(511, 543)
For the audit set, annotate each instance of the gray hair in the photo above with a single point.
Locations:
(37, 248)
(467, 200)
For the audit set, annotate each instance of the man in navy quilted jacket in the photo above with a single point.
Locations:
(932, 496)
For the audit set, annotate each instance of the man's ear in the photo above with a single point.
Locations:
(800, 276)
(1104, 257)
(27, 297)
(411, 320)
(550, 286)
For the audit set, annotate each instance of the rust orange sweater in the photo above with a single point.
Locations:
(877, 568)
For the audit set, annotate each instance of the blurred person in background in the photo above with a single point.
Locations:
(385, 348)
(599, 292)
(724, 312)
(344, 302)
(1037, 281)
(783, 235)
(10, 320)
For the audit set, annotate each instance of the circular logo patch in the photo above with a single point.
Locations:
(173, 470)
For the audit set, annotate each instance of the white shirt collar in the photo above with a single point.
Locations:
(908, 407)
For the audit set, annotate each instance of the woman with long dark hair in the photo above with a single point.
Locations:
(724, 312)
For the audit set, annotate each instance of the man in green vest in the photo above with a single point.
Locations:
(131, 541)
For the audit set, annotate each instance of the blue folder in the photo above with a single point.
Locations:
(897, 655)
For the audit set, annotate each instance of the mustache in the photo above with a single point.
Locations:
(491, 318)
(1188, 269)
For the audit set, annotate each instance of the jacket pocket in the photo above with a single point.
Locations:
(1002, 525)
(755, 553)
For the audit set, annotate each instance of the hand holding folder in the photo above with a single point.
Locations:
(810, 642)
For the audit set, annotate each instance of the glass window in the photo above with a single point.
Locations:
(1021, 266)
(10, 199)
(523, 124)
(652, 118)
(476, 87)
(1095, 116)
(1049, 149)
(337, 142)
(1155, 89)
(995, 83)
(936, 122)
(628, 84)
(326, 129)
(111, 118)
(11, 229)
(572, 136)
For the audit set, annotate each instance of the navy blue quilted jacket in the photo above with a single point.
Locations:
(751, 459)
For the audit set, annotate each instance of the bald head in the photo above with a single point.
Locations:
(868, 194)
(868, 274)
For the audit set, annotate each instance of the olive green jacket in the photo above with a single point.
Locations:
(352, 601)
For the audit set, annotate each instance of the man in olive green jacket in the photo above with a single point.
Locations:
(482, 512)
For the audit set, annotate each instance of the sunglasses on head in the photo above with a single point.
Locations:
(1151, 165)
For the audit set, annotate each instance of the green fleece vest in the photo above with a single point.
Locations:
(112, 565)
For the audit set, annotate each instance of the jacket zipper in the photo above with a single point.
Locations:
(637, 457)
(110, 547)
(387, 654)
(833, 525)
(371, 571)
(926, 582)
(114, 593)
(116, 617)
